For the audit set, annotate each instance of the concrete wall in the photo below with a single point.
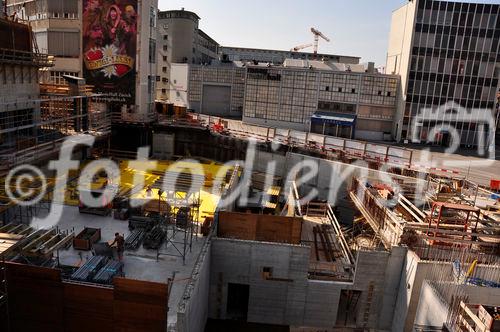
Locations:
(432, 310)
(163, 146)
(433, 307)
(18, 84)
(192, 312)
(265, 160)
(333, 178)
(415, 273)
(380, 271)
(241, 262)
(179, 76)
(144, 99)
(398, 55)
(291, 298)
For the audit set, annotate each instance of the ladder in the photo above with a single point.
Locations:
(368, 304)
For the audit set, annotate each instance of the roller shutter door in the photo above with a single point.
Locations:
(216, 100)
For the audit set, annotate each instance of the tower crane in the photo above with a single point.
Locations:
(300, 47)
(318, 34)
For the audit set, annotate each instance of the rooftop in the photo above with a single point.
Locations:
(283, 51)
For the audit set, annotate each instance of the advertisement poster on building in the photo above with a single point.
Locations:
(109, 48)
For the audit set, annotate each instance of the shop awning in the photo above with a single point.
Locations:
(334, 118)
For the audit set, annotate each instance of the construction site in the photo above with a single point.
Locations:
(384, 244)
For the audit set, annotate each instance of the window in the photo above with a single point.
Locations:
(163, 91)
(353, 90)
(158, 78)
(164, 69)
(165, 37)
(164, 80)
(267, 272)
(327, 88)
(151, 84)
(63, 44)
(165, 47)
(152, 17)
(165, 58)
(152, 51)
(340, 89)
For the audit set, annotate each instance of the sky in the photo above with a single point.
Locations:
(355, 27)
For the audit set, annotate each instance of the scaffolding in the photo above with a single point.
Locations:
(35, 134)
(181, 192)
(442, 227)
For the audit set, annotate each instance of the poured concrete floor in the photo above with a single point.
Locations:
(141, 264)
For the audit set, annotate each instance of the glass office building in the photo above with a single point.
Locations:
(447, 54)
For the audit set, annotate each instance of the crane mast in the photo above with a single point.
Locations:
(317, 34)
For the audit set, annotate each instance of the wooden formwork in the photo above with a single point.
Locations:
(259, 227)
(40, 300)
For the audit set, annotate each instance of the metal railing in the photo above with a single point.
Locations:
(23, 57)
(339, 234)
(371, 152)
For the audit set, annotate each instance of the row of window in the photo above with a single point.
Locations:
(479, 44)
(479, 19)
(451, 90)
(441, 100)
(452, 66)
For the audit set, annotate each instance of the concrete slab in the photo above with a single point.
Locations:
(141, 264)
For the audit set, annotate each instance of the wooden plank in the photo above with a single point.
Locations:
(38, 241)
(35, 300)
(139, 305)
(8, 236)
(87, 308)
(270, 228)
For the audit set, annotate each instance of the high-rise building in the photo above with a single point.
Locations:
(447, 53)
(180, 40)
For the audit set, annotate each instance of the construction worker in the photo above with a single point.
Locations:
(149, 191)
(120, 245)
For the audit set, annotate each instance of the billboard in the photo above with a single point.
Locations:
(109, 30)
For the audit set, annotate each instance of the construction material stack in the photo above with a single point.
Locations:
(134, 240)
(87, 272)
(154, 238)
(108, 272)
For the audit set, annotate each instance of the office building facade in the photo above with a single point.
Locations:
(180, 40)
(343, 103)
(448, 57)
(57, 28)
(341, 100)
